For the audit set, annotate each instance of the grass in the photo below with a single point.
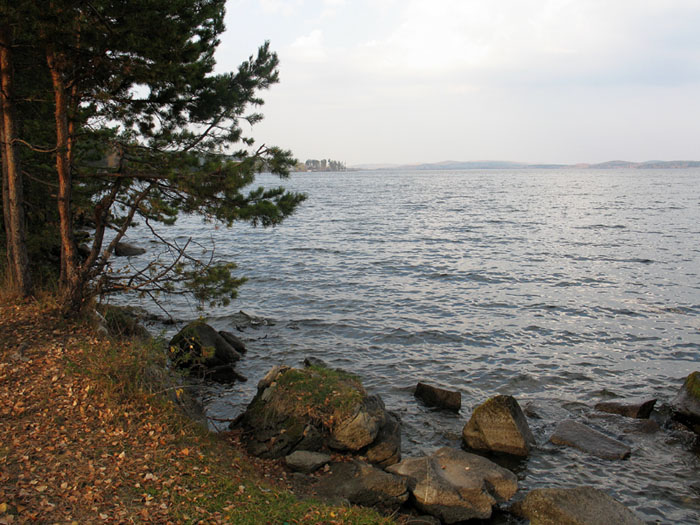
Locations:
(328, 396)
(93, 431)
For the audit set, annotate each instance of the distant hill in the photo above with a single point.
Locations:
(500, 165)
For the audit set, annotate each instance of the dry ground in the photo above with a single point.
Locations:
(83, 439)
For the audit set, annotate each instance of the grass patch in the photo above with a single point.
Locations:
(326, 395)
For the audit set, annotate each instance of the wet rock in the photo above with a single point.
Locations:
(200, 349)
(314, 361)
(438, 397)
(123, 249)
(686, 404)
(362, 428)
(577, 435)
(576, 506)
(635, 408)
(234, 341)
(454, 485)
(386, 448)
(499, 425)
(365, 485)
(305, 461)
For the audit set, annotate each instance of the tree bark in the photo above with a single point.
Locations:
(70, 284)
(13, 195)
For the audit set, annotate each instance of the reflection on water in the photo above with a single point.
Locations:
(560, 288)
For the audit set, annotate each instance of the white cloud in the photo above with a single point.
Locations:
(308, 48)
(281, 7)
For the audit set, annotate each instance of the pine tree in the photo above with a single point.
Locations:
(133, 82)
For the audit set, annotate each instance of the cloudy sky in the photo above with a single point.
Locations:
(408, 81)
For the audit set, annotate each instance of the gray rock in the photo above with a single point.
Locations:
(454, 485)
(199, 348)
(305, 461)
(577, 435)
(499, 425)
(386, 448)
(686, 404)
(363, 484)
(438, 397)
(636, 408)
(234, 341)
(123, 249)
(577, 506)
(314, 361)
(360, 430)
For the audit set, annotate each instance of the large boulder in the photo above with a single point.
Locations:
(499, 425)
(635, 408)
(312, 409)
(438, 397)
(576, 506)
(200, 349)
(455, 486)
(362, 484)
(577, 435)
(686, 404)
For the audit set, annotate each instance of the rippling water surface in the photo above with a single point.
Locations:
(560, 288)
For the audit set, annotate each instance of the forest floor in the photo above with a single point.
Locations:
(90, 432)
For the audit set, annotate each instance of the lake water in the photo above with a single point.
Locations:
(562, 288)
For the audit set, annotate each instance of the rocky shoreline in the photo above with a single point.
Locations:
(355, 452)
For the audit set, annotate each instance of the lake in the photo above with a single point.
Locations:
(560, 287)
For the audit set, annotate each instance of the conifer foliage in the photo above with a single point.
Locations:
(141, 130)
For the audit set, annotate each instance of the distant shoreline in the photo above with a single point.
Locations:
(457, 165)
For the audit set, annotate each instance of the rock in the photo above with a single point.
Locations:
(686, 404)
(362, 428)
(234, 341)
(454, 485)
(386, 448)
(639, 409)
(123, 249)
(363, 484)
(305, 461)
(314, 361)
(313, 409)
(438, 397)
(199, 348)
(498, 425)
(577, 435)
(577, 506)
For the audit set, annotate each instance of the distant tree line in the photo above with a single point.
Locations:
(110, 114)
(322, 165)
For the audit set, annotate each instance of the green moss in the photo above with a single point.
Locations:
(323, 394)
(692, 385)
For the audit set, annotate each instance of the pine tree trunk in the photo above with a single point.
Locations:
(70, 285)
(13, 196)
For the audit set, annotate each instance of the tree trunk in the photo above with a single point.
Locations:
(13, 195)
(70, 285)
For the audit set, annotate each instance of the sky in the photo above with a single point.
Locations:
(414, 81)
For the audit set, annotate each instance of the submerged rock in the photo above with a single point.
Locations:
(454, 485)
(201, 349)
(499, 425)
(438, 397)
(123, 249)
(362, 484)
(576, 506)
(577, 435)
(686, 404)
(635, 408)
